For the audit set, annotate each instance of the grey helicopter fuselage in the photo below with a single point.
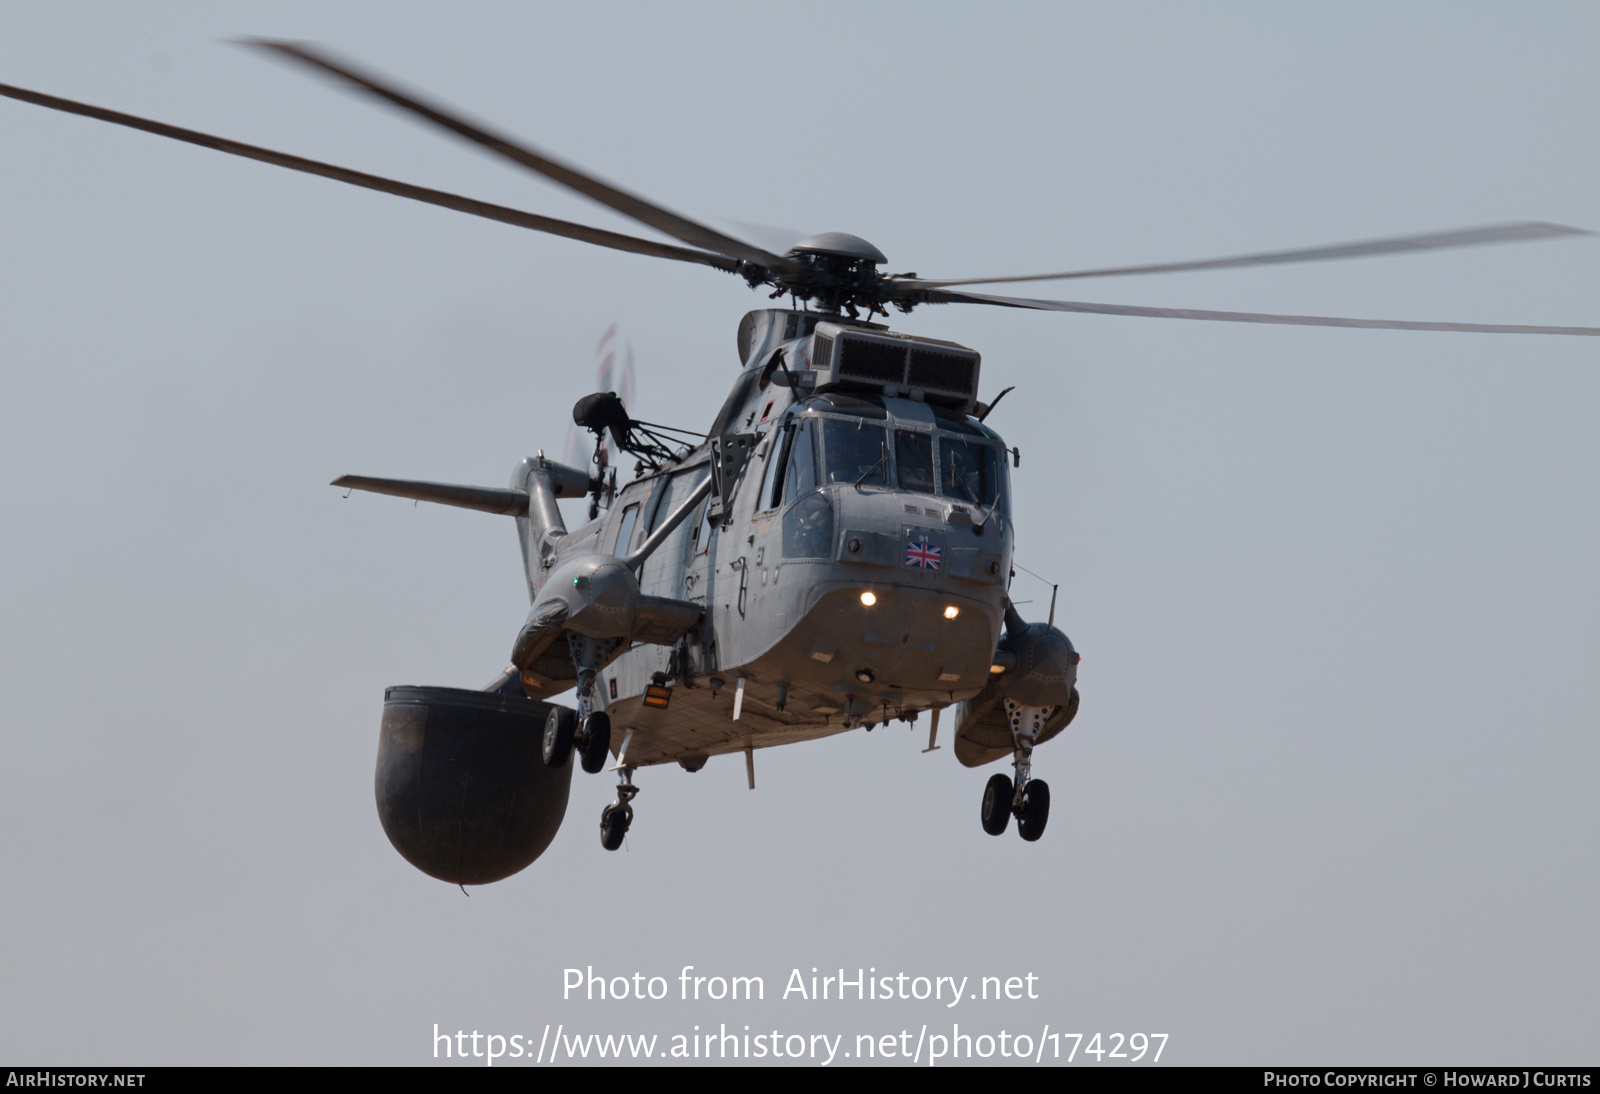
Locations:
(852, 571)
(855, 570)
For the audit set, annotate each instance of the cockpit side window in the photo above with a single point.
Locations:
(808, 527)
(800, 477)
(777, 453)
(970, 471)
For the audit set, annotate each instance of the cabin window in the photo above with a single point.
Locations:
(913, 457)
(662, 573)
(630, 517)
(855, 452)
(702, 535)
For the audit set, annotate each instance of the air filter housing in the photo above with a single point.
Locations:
(896, 365)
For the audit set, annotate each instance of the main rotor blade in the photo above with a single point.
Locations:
(630, 205)
(1466, 237)
(614, 240)
(946, 296)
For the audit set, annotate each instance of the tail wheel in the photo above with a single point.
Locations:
(559, 730)
(596, 741)
(1035, 810)
(997, 804)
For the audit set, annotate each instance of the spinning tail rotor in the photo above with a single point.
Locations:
(613, 372)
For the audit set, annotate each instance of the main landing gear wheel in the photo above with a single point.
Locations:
(1035, 810)
(596, 737)
(559, 730)
(997, 805)
(614, 821)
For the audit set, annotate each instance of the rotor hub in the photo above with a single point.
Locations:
(841, 245)
(837, 270)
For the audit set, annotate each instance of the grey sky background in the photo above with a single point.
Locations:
(1332, 793)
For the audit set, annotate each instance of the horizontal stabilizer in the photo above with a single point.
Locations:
(485, 499)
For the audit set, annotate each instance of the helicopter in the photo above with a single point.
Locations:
(834, 552)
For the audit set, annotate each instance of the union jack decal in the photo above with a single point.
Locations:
(918, 553)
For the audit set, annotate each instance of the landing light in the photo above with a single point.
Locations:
(997, 669)
(869, 598)
(951, 612)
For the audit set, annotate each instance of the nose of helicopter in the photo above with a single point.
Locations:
(877, 637)
(915, 610)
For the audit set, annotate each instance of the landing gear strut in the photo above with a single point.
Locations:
(1027, 798)
(616, 817)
